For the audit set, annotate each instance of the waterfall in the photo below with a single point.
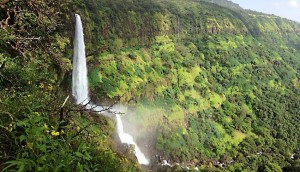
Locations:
(80, 81)
(126, 138)
(80, 88)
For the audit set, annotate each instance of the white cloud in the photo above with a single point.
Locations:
(294, 3)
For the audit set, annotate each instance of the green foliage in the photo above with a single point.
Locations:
(41, 141)
(222, 83)
(44, 146)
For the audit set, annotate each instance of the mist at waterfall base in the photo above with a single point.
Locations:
(126, 137)
(143, 122)
(81, 93)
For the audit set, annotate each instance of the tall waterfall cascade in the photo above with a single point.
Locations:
(80, 88)
(79, 77)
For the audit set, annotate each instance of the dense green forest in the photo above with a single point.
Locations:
(209, 85)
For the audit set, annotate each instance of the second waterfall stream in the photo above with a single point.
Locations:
(80, 87)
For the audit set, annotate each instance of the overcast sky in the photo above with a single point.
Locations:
(284, 8)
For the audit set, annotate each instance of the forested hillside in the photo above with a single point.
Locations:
(224, 3)
(208, 85)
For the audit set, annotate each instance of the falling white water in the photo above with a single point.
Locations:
(126, 138)
(81, 93)
(80, 81)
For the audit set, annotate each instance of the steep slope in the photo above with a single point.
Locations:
(223, 83)
(224, 3)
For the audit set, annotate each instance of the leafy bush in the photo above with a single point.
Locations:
(46, 146)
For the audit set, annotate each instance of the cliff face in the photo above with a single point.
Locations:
(137, 22)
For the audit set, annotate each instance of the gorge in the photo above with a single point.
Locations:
(205, 84)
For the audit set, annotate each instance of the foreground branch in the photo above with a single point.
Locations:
(82, 129)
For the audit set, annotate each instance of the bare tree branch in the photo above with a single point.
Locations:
(33, 38)
(82, 129)
(65, 102)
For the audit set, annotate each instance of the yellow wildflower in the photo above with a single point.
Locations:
(55, 133)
